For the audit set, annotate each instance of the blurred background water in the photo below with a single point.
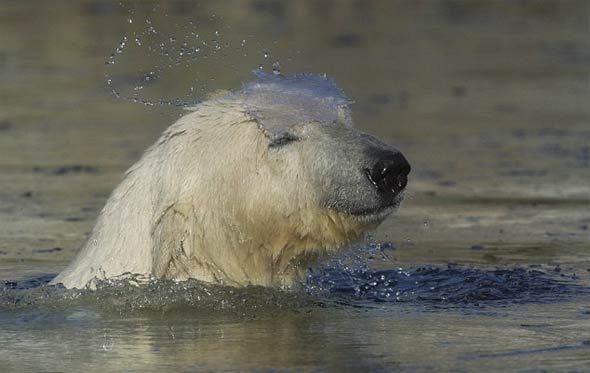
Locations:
(488, 100)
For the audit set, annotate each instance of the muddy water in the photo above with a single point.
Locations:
(489, 260)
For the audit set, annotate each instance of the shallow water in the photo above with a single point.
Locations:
(489, 254)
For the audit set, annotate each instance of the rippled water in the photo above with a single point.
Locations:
(450, 287)
(485, 268)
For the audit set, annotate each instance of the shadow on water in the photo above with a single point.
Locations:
(436, 287)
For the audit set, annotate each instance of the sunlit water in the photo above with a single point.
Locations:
(485, 267)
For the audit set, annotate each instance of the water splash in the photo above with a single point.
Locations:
(368, 274)
(452, 286)
(168, 50)
(439, 287)
(126, 296)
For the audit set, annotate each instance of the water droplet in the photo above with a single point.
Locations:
(149, 76)
(217, 33)
(137, 41)
(265, 54)
(121, 46)
(276, 68)
(243, 42)
(130, 20)
(426, 224)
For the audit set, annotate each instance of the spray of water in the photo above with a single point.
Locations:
(186, 47)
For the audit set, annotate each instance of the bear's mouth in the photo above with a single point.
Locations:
(378, 213)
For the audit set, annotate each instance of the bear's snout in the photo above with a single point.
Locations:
(389, 174)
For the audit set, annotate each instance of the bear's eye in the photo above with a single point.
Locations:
(283, 140)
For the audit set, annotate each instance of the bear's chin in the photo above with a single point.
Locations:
(376, 215)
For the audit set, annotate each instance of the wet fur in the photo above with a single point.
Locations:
(211, 200)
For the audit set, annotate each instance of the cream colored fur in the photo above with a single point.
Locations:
(209, 200)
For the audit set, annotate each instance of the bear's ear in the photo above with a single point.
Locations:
(280, 103)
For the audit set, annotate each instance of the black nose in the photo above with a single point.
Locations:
(390, 173)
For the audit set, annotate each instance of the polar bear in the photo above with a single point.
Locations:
(247, 189)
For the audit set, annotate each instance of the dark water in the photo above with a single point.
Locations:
(485, 267)
(452, 286)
